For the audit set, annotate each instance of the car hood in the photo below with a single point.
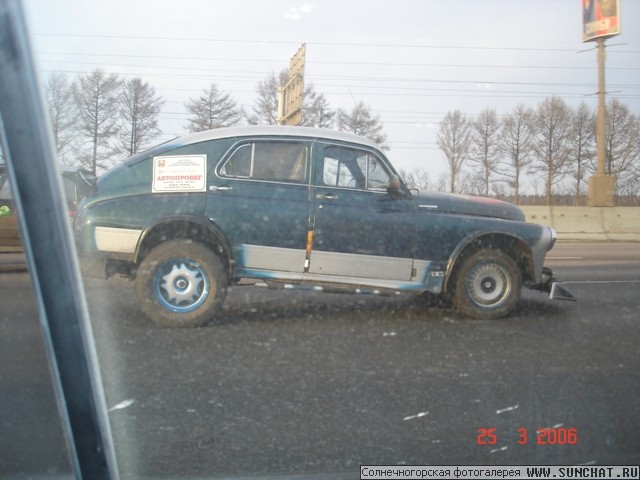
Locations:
(468, 205)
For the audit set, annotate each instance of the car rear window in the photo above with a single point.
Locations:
(271, 161)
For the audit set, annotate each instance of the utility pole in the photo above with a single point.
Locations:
(601, 20)
(601, 185)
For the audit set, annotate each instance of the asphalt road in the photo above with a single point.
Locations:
(318, 384)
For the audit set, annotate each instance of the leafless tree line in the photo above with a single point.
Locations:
(99, 117)
(553, 145)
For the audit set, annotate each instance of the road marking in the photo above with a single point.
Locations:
(496, 450)
(411, 417)
(605, 281)
(508, 409)
(121, 405)
(596, 244)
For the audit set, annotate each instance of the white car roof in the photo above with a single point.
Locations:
(276, 130)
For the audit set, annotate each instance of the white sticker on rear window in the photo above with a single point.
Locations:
(179, 173)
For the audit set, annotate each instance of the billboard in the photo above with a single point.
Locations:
(600, 18)
(291, 95)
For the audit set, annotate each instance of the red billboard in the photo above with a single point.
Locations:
(601, 18)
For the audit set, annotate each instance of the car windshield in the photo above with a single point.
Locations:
(319, 239)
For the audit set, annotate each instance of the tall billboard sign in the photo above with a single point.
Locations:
(291, 95)
(601, 19)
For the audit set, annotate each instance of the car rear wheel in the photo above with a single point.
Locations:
(181, 283)
(487, 285)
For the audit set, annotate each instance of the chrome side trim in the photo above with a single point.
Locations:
(314, 279)
(425, 280)
(421, 270)
(119, 240)
(272, 258)
(362, 266)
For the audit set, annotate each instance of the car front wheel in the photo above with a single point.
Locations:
(487, 285)
(181, 283)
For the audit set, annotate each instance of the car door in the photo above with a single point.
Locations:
(359, 230)
(259, 197)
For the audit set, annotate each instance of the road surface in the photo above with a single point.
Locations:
(319, 384)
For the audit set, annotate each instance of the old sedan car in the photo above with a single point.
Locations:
(295, 207)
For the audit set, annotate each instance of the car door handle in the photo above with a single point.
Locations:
(223, 188)
(326, 196)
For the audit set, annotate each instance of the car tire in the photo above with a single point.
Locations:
(487, 285)
(181, 283)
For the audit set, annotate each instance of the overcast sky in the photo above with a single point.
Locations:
(411, 61)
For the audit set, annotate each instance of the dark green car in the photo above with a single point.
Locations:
(294, 207)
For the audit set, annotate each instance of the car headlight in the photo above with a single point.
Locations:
(554, 237)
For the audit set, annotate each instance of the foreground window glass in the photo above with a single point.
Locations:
(282, 380)
(31, 438)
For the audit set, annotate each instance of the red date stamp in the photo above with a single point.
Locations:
(542, 436)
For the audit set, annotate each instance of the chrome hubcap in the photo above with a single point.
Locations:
(488, 284)
(181, 285)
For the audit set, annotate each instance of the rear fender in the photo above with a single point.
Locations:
(186, 227)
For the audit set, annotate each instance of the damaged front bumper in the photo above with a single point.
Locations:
(549, 284)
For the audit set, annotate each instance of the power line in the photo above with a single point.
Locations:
(333, 44)
(251, 76)
(336, 62)
(243, 76)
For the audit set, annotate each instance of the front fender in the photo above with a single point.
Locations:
(530, 258)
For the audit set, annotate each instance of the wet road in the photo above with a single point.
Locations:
(300, 383)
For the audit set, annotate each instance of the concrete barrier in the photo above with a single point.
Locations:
(588, 223)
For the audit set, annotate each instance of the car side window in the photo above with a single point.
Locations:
(353, 168)
(337, 174)
(270, 161)
(377, 176)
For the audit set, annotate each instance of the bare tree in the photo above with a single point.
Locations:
(316, 111)
(454, 137)
(470, 183)
(551, 142)
(265, 111)
(443, 181)
(622, 141)
(484, 152)
(582, 145)
(64, 114)
(213, 109)
(362, 121)
(515, 143)
(628, 189)
(418, 178)
(139, 107)
(96, 95)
